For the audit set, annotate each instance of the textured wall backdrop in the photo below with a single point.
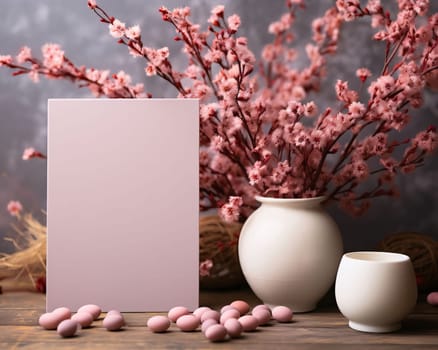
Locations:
(70, 23)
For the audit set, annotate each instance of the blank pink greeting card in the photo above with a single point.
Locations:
(122, 203)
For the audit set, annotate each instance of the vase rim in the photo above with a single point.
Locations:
(262, 199)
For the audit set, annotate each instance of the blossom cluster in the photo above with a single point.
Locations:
(56, 65)
(260, 133)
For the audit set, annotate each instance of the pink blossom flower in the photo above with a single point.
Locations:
(216, 14)
(360, 169)
(356, 109)
(53, 56)
(363, 74)
(280, 172)
(205, 267)
(97, 75)
(233, 23)
(230, 211)
(228, 88)
(150, 70)
(182, 12)
(421, 6)
(319, 139)
(5, 60)
(349, 9)
(255, 173)
(122, 79)
(236, 201)
(301, 139)
(156, 57)
(14, 208)
(163, 53)
(344, 93)
(310, 109)
(24, 54)
(30, 152)
(133, 32)
(382, 86)
(117, 29)
(217, 143)
(426, 140)
(298, 93)
(92, 4)
(282, 25)
(218, 10)
(374, 6)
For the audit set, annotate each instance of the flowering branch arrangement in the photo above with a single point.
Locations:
(259, 133)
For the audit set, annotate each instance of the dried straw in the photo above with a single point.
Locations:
(20, 269)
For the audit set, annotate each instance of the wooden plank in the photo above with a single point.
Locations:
(72, 345)
(294, 332)
(324, 329)
(22, 300)
(288, 335)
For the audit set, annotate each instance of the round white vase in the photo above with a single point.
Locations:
(289, 252)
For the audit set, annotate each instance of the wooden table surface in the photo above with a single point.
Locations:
(322, 329)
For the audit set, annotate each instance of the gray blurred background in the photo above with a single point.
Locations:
(23, 104)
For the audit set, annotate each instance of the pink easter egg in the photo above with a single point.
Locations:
(67, 328)
(113, 312)
(241, 306)
(113, 322)
(211, 314)
(216, 332)
(63, 313)
(84, 318)
(49, 320)
(432, 298)
(187, 323)
(207, 323)
(158, 324)
(176, 312)
(232, 313)
(262, 315)
(282, 313)
(226, 308)
(93, 309)
(261, 306)
(248, 322)
(200, 310)
(234, 327)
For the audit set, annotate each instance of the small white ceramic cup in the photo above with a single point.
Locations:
(375, 290)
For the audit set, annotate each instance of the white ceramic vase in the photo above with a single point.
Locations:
(289, 252)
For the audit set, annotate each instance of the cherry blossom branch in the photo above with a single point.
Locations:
(56, 65)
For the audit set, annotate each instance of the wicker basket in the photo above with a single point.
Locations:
(218, 242)
(422, 250)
